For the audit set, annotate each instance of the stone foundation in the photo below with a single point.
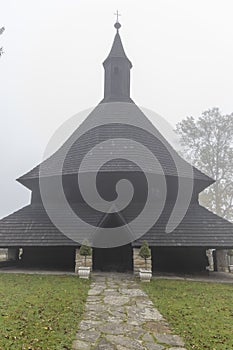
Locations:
(139, 262)
(80, 260)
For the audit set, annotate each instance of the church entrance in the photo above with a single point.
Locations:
(119, 259)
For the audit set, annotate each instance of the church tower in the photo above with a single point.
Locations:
(117, 68)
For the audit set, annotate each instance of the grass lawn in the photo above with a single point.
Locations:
(202, 313)
(40, 311)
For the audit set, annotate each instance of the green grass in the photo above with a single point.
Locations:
(202, 313)
(40, 312)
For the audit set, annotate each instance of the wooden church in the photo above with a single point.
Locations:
(41, 243)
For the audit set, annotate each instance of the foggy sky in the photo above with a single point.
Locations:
(182, 55)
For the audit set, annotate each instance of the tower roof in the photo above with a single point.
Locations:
(117, 50)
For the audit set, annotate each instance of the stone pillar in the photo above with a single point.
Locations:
(209, 254)
(139, 262)
(231, 259)
(13, 254)
(79, 260)
(3, 254)
(222, 260)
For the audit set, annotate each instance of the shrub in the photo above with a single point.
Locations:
(144, 252)
(85, 250)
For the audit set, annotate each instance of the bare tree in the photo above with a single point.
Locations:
(208, 145)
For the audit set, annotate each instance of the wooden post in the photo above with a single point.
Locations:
(222, 260)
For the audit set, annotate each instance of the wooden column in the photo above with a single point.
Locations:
(222, 260)
(13, 254)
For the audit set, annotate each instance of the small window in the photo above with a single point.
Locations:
(116, 70)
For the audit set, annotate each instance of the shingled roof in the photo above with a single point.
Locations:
(109, 121)
(117, 50)
(31, 226)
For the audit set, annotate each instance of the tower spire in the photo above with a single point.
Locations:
(117, 70)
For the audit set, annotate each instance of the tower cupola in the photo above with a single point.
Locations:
(117, 68)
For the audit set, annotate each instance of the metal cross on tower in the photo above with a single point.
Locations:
(117, 14)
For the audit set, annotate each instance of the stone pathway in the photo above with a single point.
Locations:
(120, 316)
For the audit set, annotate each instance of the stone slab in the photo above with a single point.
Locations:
(120, 316)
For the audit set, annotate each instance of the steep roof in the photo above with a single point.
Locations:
(111, 121)
(117, 50)
(30, 226)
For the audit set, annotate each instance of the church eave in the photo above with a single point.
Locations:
(31, 226)
(115, 59)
